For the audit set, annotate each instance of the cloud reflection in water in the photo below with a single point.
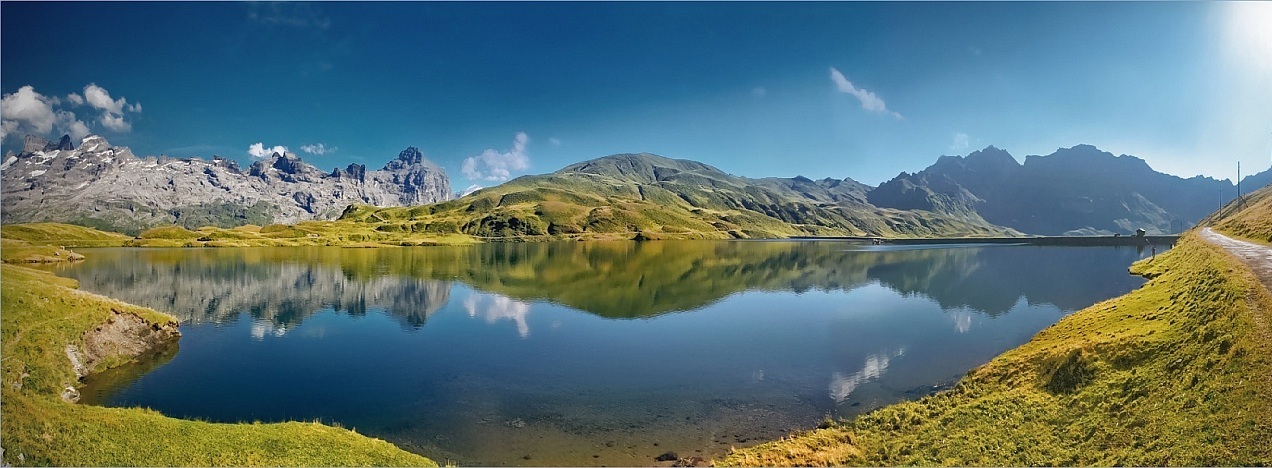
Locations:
(493, 307)
(876, 364)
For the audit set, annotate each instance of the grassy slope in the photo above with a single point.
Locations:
(67, 235)
(647, 196)
(42, 313)
(1250, 219)
(24, 240)
(1178, 372)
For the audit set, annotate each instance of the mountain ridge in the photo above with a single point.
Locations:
(1073, 191)
(105, 186)
(648, 196)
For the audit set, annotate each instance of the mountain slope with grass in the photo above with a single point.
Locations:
(646, 196)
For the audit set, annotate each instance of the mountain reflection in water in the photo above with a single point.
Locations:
(609, 279)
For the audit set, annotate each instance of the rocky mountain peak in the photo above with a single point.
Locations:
(94, 143)
(36, 143)
(64, 144)
(993, 156)
(411, 155)
(409, 159)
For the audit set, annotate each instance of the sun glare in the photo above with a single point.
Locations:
(1248, 34)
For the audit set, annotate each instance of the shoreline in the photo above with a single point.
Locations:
(1035, 240)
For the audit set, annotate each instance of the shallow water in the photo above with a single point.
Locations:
(603, 353)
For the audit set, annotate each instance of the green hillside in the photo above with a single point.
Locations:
(67, 235)
(646, 196)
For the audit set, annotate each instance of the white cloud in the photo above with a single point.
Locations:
(258, 150)
(75, 99)
(759, 91)
(27, 111)
(496, 166)
(99, 98)
(471, 188)
(112, 109)
(960, 142)
(68, 124)
(7, 127)
(318, 149)
(869, 101)
(115, 122)
(27, 108)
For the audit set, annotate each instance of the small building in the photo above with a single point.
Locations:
(1139, 232)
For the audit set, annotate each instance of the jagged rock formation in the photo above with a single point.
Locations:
(105, 186)
(1078, 190)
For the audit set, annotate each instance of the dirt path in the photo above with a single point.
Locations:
(1257, 257)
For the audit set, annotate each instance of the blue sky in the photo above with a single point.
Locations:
(861, 90)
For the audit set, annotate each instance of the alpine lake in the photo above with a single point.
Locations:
(581, 353)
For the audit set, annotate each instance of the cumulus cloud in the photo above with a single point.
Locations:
(75, 99)
(68, 124)
(258, 150)
(115, 122)
(28, 108)
(99, 98)
(869, 101)
(498, 166)
(28, 111)
(318, 149)
(112, 109)
(960, 142)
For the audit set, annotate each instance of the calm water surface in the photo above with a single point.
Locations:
(581, 353)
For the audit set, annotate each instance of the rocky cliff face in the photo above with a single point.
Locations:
(109, 187)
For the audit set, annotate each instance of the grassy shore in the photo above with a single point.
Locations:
(42, 314)
(1178, 372)
(307, 233)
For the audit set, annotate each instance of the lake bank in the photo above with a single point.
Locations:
(43, 314)
(1174, 373)
(1076, 241)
